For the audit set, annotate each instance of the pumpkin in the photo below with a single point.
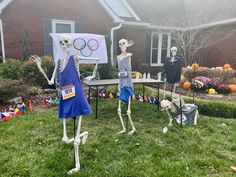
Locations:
(232, 87)
(227, 66)
(111, 95)
(195, 66)
(187, 85)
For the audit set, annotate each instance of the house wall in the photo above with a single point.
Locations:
(27, 15)
(138, 48)
(221, 52)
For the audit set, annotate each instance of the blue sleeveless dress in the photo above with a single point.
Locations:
(126, 85)
(77, 105)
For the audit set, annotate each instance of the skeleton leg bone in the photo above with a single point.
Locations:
(129, 116)
(77, 142)
(170, 118)
(65, 137)
(195, 118)
(121, 119)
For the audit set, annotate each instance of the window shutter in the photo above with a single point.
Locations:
(47, 40)
(78, 27)
(148, 48)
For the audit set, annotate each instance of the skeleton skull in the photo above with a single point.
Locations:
(173, 51)
(65, 43)
(123, 44)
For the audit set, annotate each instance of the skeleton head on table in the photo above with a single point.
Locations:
(65, 43)
(123, 44)
(173, 51)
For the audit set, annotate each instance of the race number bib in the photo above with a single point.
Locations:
(68, 91)
(123, 74)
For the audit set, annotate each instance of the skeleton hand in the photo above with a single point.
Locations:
(51, 82)
(37, 60)
(89, 78)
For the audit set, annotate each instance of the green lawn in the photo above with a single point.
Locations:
(31, 145)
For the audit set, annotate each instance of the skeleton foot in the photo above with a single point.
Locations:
(84, 136)
(131, 132)
(121, 132)
(65, 139)
(74, 170)
(170, 123)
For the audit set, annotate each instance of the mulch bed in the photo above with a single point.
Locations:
(231, 97)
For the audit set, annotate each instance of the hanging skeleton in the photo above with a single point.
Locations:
(172, 69)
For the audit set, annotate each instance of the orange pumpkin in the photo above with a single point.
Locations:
(227, 66)
(111, 95)
(187, 85)
(232, 87)
(195, 66)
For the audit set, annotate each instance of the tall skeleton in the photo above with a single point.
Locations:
(66, 45)
(125, 80)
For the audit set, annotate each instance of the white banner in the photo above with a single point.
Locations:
(84, 45)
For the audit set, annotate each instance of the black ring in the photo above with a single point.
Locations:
(83, 46)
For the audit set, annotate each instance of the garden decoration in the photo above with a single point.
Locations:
(125, 82)
(172, 69)
(232, 87)
(73, 101)
(187, 85)
(226, 66)
(195, 66)
(212, 91)
(180, 111)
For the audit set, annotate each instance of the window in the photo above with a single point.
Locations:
(160, 48)
(63, 26)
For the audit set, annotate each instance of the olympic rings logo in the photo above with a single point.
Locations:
(86, 48)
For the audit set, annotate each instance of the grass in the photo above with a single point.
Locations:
(31, 145)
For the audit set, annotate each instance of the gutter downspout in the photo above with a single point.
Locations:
(112, 42)
(2, 42)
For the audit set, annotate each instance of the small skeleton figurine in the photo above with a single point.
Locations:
(172, 69)
(73, 101)
(125, 82)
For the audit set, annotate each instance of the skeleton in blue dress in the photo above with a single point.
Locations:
(73, 101)
(125, 82)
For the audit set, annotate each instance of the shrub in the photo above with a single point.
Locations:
(35, 91)
(86, 70)
(10, 69)
(12, 88)
(106, 71)
(215, 108)
(33, 76)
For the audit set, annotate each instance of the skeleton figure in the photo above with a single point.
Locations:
(172, 69)
(125, 82)
(70, 64)
(189, 111)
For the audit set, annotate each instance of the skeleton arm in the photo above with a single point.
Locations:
(38, 61)
(51, 82)
(78, 58)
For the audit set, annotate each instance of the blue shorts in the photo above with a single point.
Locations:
(125, 93)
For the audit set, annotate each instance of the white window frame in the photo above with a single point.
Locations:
(160, 47)
(68, 22)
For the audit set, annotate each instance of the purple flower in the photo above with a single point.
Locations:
(224, 89)
(215, 82)
(204, 80)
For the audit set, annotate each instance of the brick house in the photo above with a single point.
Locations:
(137, 20)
